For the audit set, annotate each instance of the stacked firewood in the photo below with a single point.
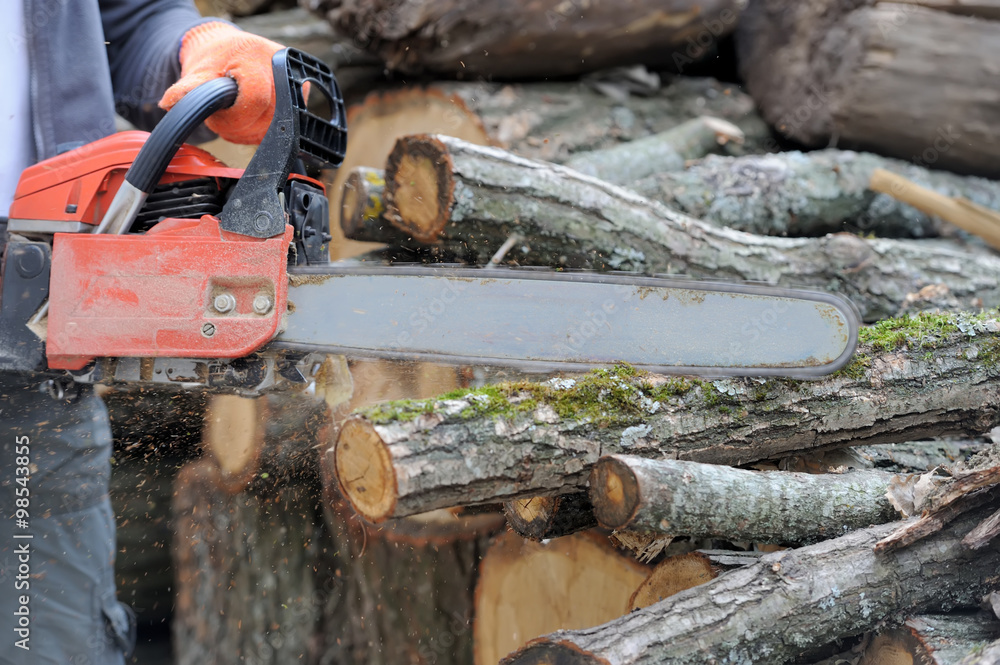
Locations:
(441, 515)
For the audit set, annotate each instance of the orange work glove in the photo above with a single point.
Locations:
(212, 50)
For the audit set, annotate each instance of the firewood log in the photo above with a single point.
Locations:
(801, 194)
(542, 517)
(666, 151)
(527, 589)
(532, 39)
(680, 498)
(911, 378)
(790, 601)
(469, 200)
(870, 74)
(555, 121)
(934, 639)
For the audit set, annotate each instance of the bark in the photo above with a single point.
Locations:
(526, 589)
(708, 501)
(791, 601)
(542, 517)
(806, 194)
(469, 200)
(965, 492)
(921, 456)
(556, 121)
(988, 655)
(984, 533)
(868, 74)
(523, 439)
(530, 39)
(666, 151)
(934, 639)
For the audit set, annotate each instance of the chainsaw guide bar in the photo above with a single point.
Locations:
(542, 320)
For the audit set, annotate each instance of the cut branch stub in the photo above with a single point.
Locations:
(365, 471)
(419, 194)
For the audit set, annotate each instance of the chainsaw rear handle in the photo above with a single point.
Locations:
(255, 207)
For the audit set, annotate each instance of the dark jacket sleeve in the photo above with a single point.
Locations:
(143, 40)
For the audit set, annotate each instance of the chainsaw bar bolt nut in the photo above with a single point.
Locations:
(224, 302)
(262, 303)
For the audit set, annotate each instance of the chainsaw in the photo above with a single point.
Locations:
(141, 259)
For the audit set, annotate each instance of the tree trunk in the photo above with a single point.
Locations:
(522, 439)
(470, 199)
(807, 194)
(532, 39)
(708, 501)
(527, 589)
(933, 639)
(791, 601)
(869, 75)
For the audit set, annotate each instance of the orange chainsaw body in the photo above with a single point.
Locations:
(150, 294)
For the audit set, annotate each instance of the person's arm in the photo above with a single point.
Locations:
(143, 41)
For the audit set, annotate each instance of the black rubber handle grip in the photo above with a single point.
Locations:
(175, 127)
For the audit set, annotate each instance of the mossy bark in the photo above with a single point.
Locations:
(680, 498)
(470, 199)
(790, 601)
(517, 440)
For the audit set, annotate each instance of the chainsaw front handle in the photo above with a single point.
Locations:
(255, 207)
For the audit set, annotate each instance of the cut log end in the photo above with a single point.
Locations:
(614, 493)
(541, 517)
(234, 438)
(365, 471)
(672, 575)
(419, 186)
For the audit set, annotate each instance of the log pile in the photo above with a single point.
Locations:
(622, 517)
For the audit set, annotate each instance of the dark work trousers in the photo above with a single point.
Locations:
(57, 531)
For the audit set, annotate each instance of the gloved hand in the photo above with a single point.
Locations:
(212, 50)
